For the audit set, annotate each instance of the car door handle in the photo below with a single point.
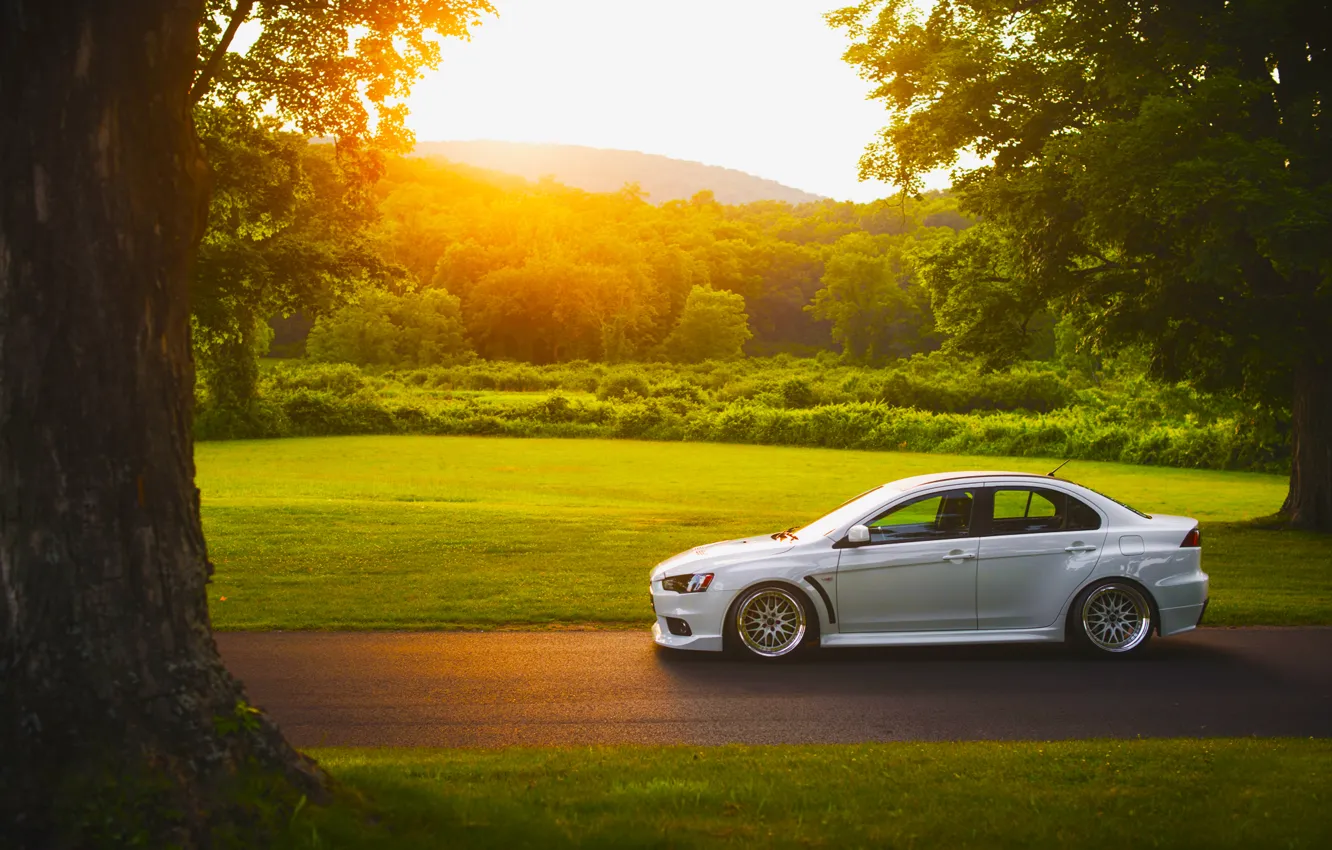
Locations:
(959, 556)
(1079, 548)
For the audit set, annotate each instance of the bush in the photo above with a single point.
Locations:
(925, 405)
(314, 413)
(796, 392)
(680, 390)
(341, 379)
(256, 421)
(624, 385)
(417, 329)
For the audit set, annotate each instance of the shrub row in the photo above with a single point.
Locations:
(336, 400)
(926, 382)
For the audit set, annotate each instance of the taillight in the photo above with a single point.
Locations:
(1192, 540)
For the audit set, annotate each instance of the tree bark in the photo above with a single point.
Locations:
(118, 720)
(1309, 503)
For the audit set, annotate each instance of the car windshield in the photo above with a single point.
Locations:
(840, 515)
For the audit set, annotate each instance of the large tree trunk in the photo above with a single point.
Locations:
(117, 718)
(1309, 503)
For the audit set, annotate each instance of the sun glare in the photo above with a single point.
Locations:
(755, 85)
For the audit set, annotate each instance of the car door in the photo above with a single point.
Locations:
(918, 570)
(1036, 547)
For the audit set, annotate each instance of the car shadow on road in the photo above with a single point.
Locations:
(1161, 665)
(1156, 651)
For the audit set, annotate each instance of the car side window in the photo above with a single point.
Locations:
(938, 516)
(1033, 510)
(1081, 516)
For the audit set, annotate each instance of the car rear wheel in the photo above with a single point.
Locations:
(1114, 618)
(770, 622)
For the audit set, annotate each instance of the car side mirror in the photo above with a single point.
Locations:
(858, 534)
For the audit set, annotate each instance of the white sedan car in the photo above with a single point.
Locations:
(959, 557)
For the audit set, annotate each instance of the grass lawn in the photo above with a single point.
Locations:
(1132, 794)
(473, 532)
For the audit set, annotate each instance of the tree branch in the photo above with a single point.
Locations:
(1105, 266)
(201, 82)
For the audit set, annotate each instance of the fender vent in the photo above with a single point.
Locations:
(832, 615)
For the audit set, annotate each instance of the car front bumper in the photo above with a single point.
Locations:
(704, 612)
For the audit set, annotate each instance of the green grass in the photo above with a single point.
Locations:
(472, 532)
(1133, 794)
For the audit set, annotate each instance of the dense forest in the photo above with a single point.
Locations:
(545, 273)
(425, 262)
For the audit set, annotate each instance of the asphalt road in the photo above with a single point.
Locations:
(540, 688)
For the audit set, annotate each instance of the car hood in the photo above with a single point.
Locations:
(721, 554)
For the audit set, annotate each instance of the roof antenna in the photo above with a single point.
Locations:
(1051, 473)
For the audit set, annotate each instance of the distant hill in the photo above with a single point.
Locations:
(598, 170)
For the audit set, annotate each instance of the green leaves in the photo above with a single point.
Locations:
(1151, 172)
(285, 233)
(873, 298)
(409, 331)
(339, 69)
(713, 326)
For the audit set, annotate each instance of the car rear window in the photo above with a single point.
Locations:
(1117, 502)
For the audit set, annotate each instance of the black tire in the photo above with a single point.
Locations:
(1112, 619)
(772, 622)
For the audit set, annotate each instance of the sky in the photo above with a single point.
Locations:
(756, 85)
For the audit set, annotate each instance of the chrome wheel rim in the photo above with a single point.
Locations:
(771, 622)
(1116, 617)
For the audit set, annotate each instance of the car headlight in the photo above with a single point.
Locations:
(695, 583)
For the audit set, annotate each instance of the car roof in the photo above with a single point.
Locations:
(915, 481)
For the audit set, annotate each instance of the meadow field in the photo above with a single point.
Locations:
(1143, 793)
(415, 532)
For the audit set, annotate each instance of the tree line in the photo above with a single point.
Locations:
(433, 262)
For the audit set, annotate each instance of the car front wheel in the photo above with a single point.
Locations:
(770, 622)
(1114, 618)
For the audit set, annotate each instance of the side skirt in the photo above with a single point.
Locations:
(1049, 634)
